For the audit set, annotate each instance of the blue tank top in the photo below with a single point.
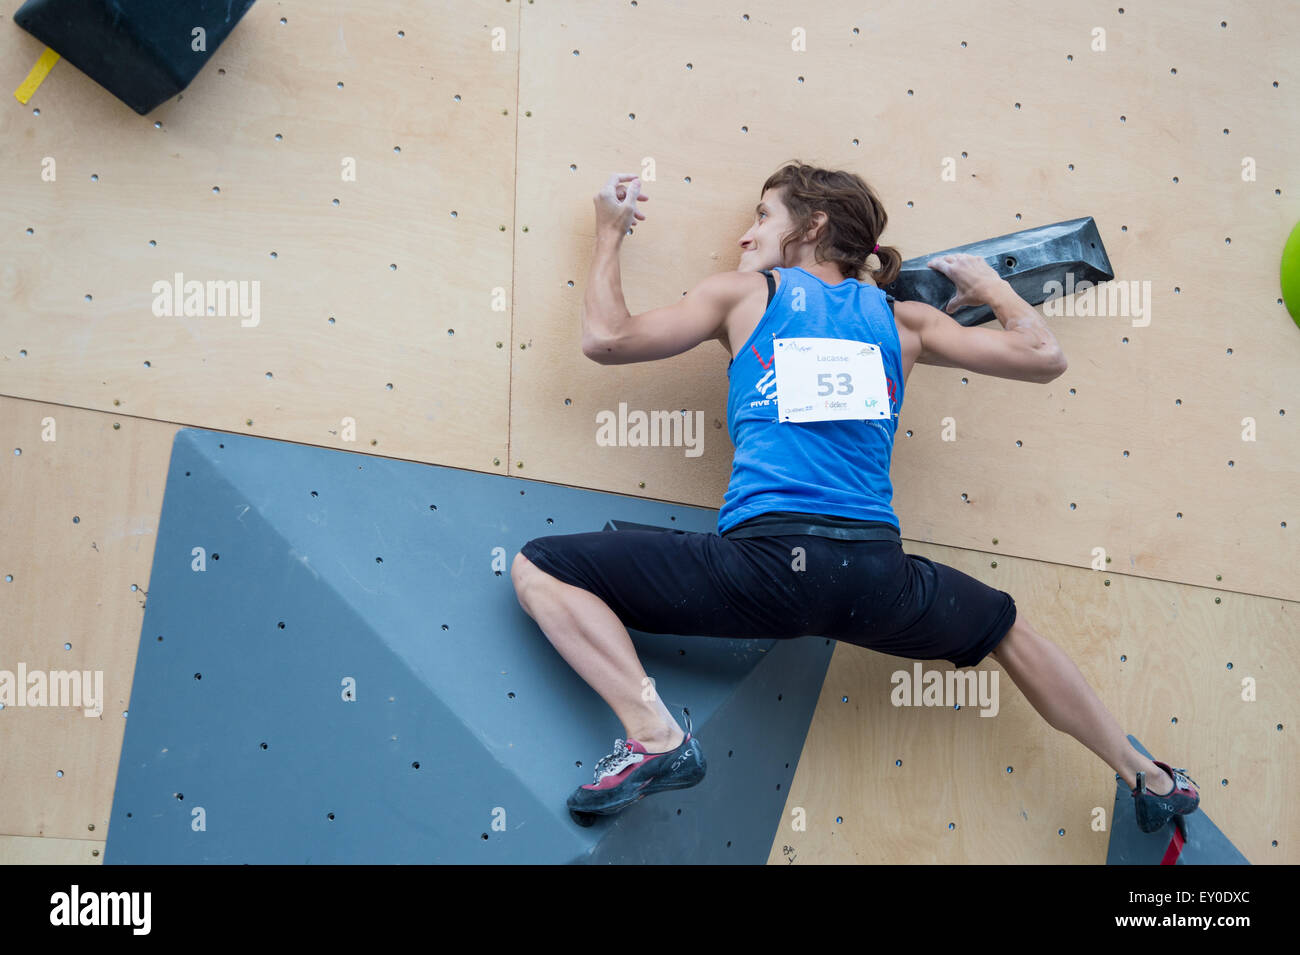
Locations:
(833, 468)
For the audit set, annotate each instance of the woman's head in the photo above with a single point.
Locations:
(851, 221)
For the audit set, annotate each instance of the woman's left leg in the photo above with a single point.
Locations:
(1054, 686)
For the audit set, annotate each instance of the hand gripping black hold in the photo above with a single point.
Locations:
(1039, 264)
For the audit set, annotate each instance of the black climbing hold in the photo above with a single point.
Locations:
(1067, 253)
(141, 51)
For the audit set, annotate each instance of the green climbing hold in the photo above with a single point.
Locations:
(1291, 274)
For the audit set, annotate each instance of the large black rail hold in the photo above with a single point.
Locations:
(1040, 264)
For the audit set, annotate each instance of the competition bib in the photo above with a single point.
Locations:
(829, 379)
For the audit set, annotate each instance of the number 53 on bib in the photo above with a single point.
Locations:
(829, 379)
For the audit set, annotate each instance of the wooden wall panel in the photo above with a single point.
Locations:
(24, 850)
(81, 505)
(337, 326)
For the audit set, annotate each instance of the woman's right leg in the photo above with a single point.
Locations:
(1053, 684)
(595, 643)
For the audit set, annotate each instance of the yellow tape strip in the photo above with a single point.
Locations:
(37, 75)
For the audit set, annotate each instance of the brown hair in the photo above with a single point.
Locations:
(855, 218)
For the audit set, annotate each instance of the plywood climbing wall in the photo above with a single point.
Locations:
(408, 188)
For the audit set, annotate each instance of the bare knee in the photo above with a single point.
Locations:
(521, 569)
(1021, 632)
(526, 576)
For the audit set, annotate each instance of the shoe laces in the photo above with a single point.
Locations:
(617, 761)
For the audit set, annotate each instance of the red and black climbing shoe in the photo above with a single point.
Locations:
(630, 773)
(1153, 811)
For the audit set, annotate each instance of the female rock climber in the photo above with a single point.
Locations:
(809, 475)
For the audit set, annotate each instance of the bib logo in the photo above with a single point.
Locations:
(766, 385)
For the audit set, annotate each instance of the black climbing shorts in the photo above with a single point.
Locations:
(865, 592)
